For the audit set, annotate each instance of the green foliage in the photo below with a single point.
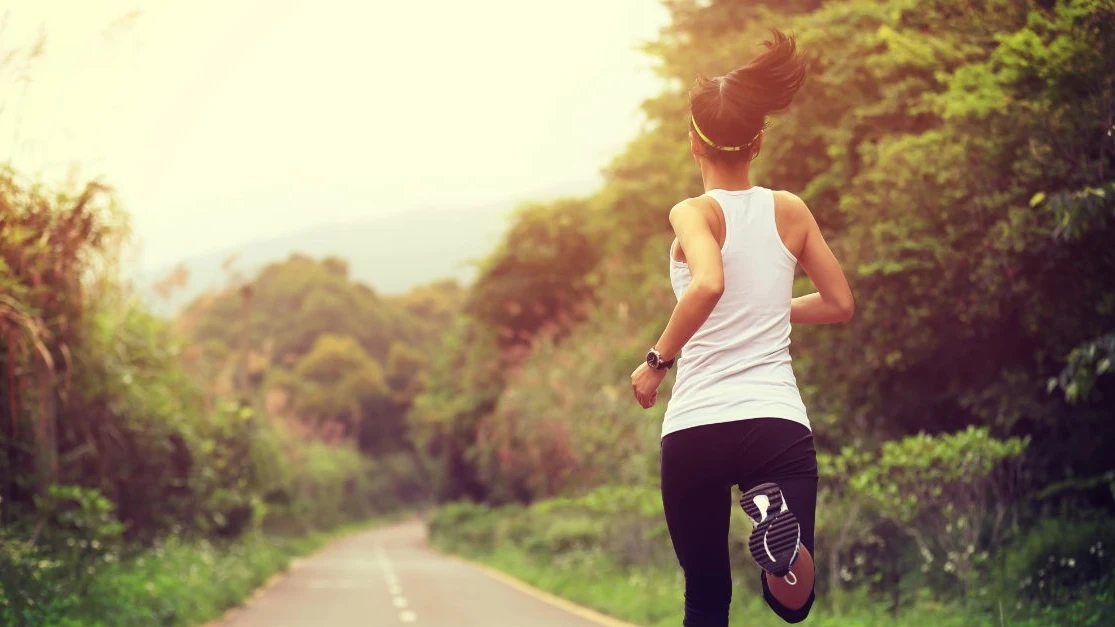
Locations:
(230, 489)
(535, 281)
(952, 495)
(335, 356)
(78, 526)
(338, 383)
(1078, 212)
(1086, 363)
(121, 459)
(48, 242)
(289, 304)
(565, 420)
(624, 523)
(406, 373)
(432, 306)
(1062, 560)
(466, 377)
(32, 583)
(609, 549)
(331, 359)
(925, 471)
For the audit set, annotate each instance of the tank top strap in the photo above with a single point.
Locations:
(729, 205)
(767, 223)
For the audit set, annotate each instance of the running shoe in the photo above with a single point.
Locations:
(776, 538)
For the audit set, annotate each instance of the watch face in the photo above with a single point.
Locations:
(652, 359)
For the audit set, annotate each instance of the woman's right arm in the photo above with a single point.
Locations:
(832, 302)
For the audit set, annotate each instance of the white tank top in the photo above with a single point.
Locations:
(737, 365)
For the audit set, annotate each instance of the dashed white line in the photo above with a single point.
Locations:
(394, 588)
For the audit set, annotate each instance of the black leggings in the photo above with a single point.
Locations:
(699, 467)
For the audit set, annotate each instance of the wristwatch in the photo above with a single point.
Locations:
(654, 360)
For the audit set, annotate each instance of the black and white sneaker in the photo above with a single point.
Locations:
(776, 539)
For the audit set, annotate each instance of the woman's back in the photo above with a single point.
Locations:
(737, 365)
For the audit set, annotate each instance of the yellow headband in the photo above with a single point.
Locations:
(713, 144)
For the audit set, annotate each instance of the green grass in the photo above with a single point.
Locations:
(653, 598)
(609, 550)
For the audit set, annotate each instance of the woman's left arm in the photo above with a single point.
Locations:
(702, 252)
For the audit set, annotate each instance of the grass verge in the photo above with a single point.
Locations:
(653, 598)
(609, 551)
(183, 584)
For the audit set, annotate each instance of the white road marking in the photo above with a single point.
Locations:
(393, 586)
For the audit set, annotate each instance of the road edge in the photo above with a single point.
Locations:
(563, 604)
(231, 612)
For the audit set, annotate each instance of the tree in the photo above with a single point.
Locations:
(341, 387)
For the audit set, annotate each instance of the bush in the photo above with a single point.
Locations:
(1059, 561)
(322, 486)
(932, 510)
(78, 528)
(624, 522)
(464, 527)
(32, 584)
(568, 534)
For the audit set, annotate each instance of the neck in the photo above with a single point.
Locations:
(729, 177)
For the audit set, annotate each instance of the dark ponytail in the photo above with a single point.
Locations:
(729, 111)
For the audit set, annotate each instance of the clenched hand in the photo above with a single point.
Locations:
(644, 382)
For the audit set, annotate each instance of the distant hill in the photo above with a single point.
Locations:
(392, 254)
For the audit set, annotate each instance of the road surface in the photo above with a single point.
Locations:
(389, 577)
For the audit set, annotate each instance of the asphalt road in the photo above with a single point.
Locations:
(389, 577)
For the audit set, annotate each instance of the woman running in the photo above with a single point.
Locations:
(735, 416)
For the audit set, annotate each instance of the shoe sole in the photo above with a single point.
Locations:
(769, 492)
(776, 538)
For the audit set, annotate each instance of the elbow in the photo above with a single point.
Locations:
(846, 308)
(710, 287)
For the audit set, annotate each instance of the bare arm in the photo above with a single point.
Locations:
(702, 253)
(832, 302)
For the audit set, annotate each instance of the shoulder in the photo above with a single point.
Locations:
(791, 208)
(693, 208)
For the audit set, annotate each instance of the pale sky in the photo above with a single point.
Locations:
(222, 121)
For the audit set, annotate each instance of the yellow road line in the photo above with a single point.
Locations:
(545, 597)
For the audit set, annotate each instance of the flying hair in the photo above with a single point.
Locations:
(729, 112)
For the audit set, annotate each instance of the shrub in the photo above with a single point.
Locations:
(32, 584)
(464, 526)
(1058, 560)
